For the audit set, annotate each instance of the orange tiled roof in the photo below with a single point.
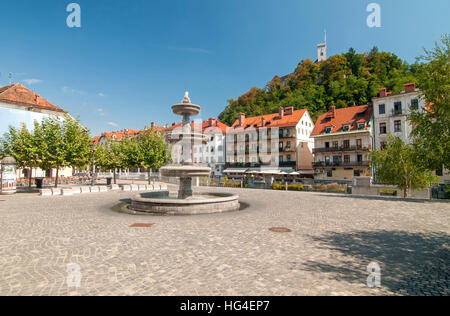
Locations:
(118, 135)
(205, 124)
(273, 120)
(345, 116)
(20, 95)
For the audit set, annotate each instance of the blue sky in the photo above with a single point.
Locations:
(131, 60)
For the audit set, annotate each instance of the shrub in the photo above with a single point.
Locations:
(295, 187)
(328, 187)
(278, 186)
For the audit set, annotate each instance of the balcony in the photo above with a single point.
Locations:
(350, 164)
(287, 164)
(341, 149)
(286, 150)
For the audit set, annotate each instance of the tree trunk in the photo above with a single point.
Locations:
(115, 179)
(57, 176)
(30, 177)
(149, 176)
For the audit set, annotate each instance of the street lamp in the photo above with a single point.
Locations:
(93, 164)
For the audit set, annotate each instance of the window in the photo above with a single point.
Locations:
(382, 109)
(335, 144)
(346, 144)
(361, 125)
(328, 130)
(288, 144)
(347, 159)
(281, 159)
(359, 143)
(327, 144)
(357, 173)
(415, 104)
(397, 108)
(397, 126)
(383, 129)
(329, 174)
(346, 128)
(288, 158)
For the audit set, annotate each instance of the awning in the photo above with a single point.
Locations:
(235, 170)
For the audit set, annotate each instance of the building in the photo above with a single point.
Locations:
(342, 142)
(116, 135)
(279, 140)
(211, 152)
(19, 105)
(391, 113)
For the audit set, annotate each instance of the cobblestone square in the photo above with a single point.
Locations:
(332, 241)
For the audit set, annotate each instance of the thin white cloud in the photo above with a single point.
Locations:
(192, 50)
(101, 112)
(32, 81)
(112, 124)
(71, 90)
(101, 94)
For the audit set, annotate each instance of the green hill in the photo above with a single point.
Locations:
(342, 80)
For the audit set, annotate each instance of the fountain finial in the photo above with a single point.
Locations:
(186, 98)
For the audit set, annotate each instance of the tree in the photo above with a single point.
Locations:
(21, 144)
(153, 152)
(77, 143)
(52, 149)
(397, 165)
(343, 80)
(431, 132)
(110, 157)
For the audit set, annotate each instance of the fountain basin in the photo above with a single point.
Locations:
(185, 171)
(162, 203)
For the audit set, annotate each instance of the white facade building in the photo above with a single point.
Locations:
(391, 114)
(19, 105)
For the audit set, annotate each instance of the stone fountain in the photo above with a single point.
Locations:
(185, 202)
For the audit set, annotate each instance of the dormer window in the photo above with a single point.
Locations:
(361, 125)
(328, 130)
(346, 128)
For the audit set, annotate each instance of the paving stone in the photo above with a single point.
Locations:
(332, 241)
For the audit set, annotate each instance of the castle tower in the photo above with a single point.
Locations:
(322, 50)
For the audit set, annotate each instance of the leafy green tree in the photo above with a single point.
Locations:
(153, 151)
(20, 144)
(343, 80)
(53, 147)
(77, 143)
(432, 127)
(397, 165)
(110, 157)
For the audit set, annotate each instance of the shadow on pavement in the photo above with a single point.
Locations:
(411, 263)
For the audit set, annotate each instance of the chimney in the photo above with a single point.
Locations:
(152, 125)
(333, 110)
(173, 124)
(212, 121)
(37, 98)
(241, 119)
(289, 110)
(383, 92)
(410, 87)
(263, 121)
(281, 112)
